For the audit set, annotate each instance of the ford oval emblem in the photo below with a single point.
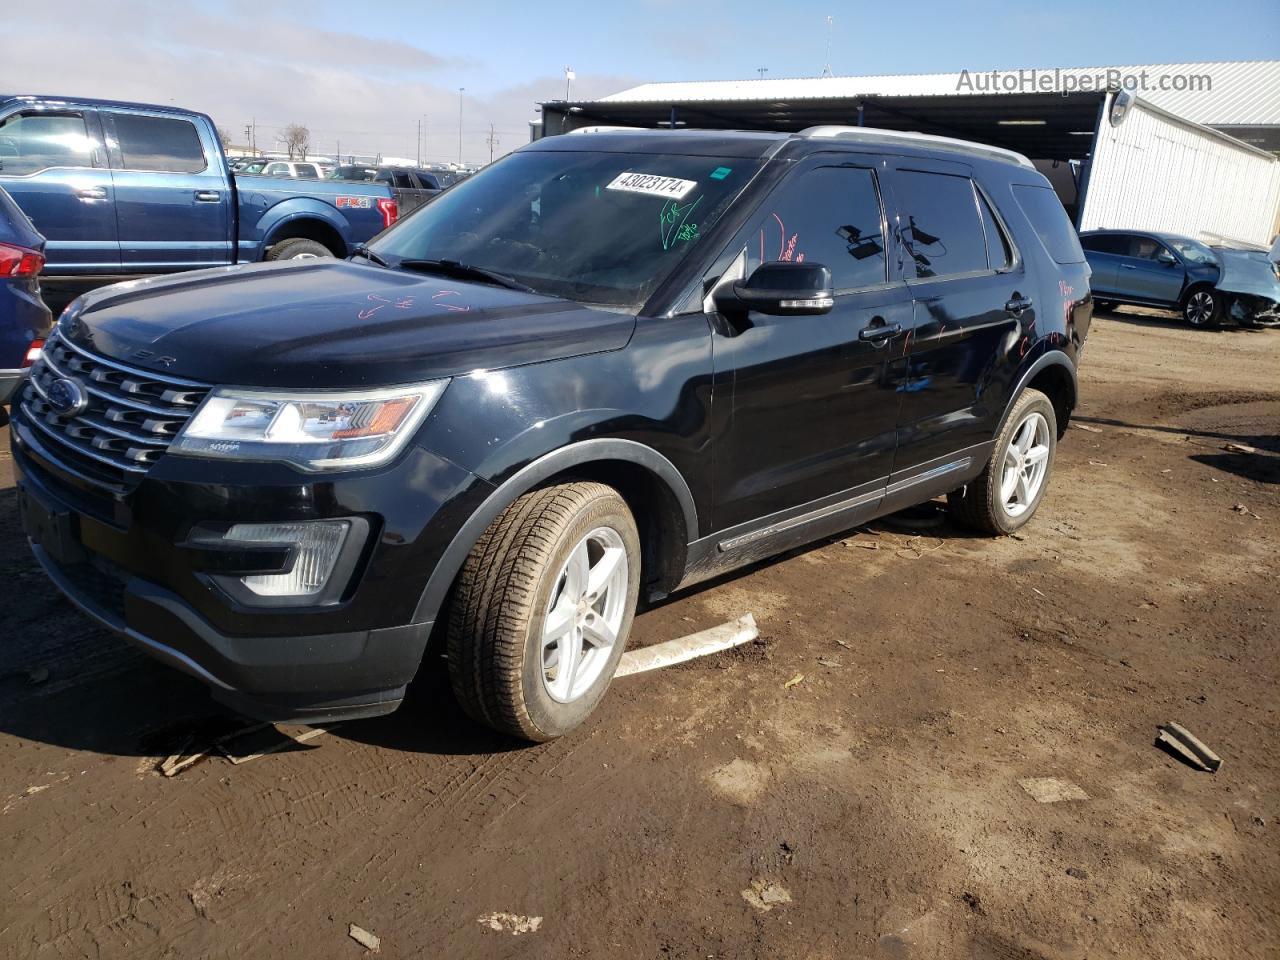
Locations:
(66, 397)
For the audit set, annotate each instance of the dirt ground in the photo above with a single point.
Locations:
(871, 809)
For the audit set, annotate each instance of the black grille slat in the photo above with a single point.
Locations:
(132, 415)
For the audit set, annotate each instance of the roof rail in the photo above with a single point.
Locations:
(914, 139)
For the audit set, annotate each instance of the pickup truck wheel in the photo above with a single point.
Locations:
(298, 248)
(542, 608)
(1011, 487)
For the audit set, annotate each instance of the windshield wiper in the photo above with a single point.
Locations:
(465, 271)
(363, 251)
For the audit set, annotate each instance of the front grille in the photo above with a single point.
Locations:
(131, 418)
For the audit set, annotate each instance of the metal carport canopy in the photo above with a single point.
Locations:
(1065, 133)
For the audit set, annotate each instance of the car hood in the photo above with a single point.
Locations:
(331, 324)
(1247, 271)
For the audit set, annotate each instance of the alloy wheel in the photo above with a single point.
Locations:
(584, 615)
(1026, 463)
(1199, 308)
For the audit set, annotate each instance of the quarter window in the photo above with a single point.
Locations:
(943, 232)
(31, 142)
(1049, 218)
(1116, 243)
(162, 144)
(830, 216)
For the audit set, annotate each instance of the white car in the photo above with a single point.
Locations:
(290, 168)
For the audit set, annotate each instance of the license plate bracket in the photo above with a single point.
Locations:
(55, 529)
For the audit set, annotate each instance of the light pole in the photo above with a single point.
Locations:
(461, 90)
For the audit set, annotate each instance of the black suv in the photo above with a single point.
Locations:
(607, 367)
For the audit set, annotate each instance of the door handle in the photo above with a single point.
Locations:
(1018, 305)
(1127, 266)
(878, 330)
(90, 194)
(208, 196)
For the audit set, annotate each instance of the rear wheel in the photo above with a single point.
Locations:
(542, 609)
(1202, 307)
(1009, 490)
(298, 248)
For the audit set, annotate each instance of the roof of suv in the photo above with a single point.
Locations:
(759, 143)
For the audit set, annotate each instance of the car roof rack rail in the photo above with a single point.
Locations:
(913, 139)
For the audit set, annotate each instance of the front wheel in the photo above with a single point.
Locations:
(542, 609)
(1011, 487)
(1202, 307)
(298, 248)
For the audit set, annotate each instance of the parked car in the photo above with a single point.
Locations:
(410, 187)
(124, 189)
(24, 318)
(1207, 286)
(292, 168)
(524, 410)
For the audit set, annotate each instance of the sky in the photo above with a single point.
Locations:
(362, 75)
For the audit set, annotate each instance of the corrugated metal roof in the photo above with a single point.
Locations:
(1240, 92)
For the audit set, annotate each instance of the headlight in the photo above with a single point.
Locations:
(312, 431)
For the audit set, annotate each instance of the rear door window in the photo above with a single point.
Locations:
(162, 144)
(308, 170)
(999, 253)
(943, 231)
(828, 215)
(403, 181)
(1116, 243)
(1049, 218)
(31, 142)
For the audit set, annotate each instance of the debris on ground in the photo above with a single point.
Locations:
(260, 740)
(1240, 448)
(764, 895)
(363, 937)
(1180, 741)
(511, 923)
(1098, 463)
(1241, 508)
(798, 678)
(1085, 427)
(182, 758)
(844, 643)
(1077, 873)
(681, 649)
(829, 661)
(1052, 790)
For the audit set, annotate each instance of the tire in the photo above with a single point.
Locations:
(518, 575)
(1202, 307)
(987, 504)
(298, 248)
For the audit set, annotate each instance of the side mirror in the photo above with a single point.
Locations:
(1167, 258)
(781, 289)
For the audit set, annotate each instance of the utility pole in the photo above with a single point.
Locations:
(419, 141)
(762, 71)
(826, 69)
(569, 76)
(461, 90)
(493, 142)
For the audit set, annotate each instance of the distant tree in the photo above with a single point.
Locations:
(297, 140)
(224, 137)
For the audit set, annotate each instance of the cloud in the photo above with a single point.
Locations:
(363, 93)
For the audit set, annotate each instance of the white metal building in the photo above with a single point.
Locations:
(1181, 147)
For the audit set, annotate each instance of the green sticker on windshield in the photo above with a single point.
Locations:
(719, 173)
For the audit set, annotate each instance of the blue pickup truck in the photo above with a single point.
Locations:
(126, 189)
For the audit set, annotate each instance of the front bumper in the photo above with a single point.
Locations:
(127, 563)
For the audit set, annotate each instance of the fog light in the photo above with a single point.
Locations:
(319, 544)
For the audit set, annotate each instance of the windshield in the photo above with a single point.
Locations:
(602, 228)
(1193, 252)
